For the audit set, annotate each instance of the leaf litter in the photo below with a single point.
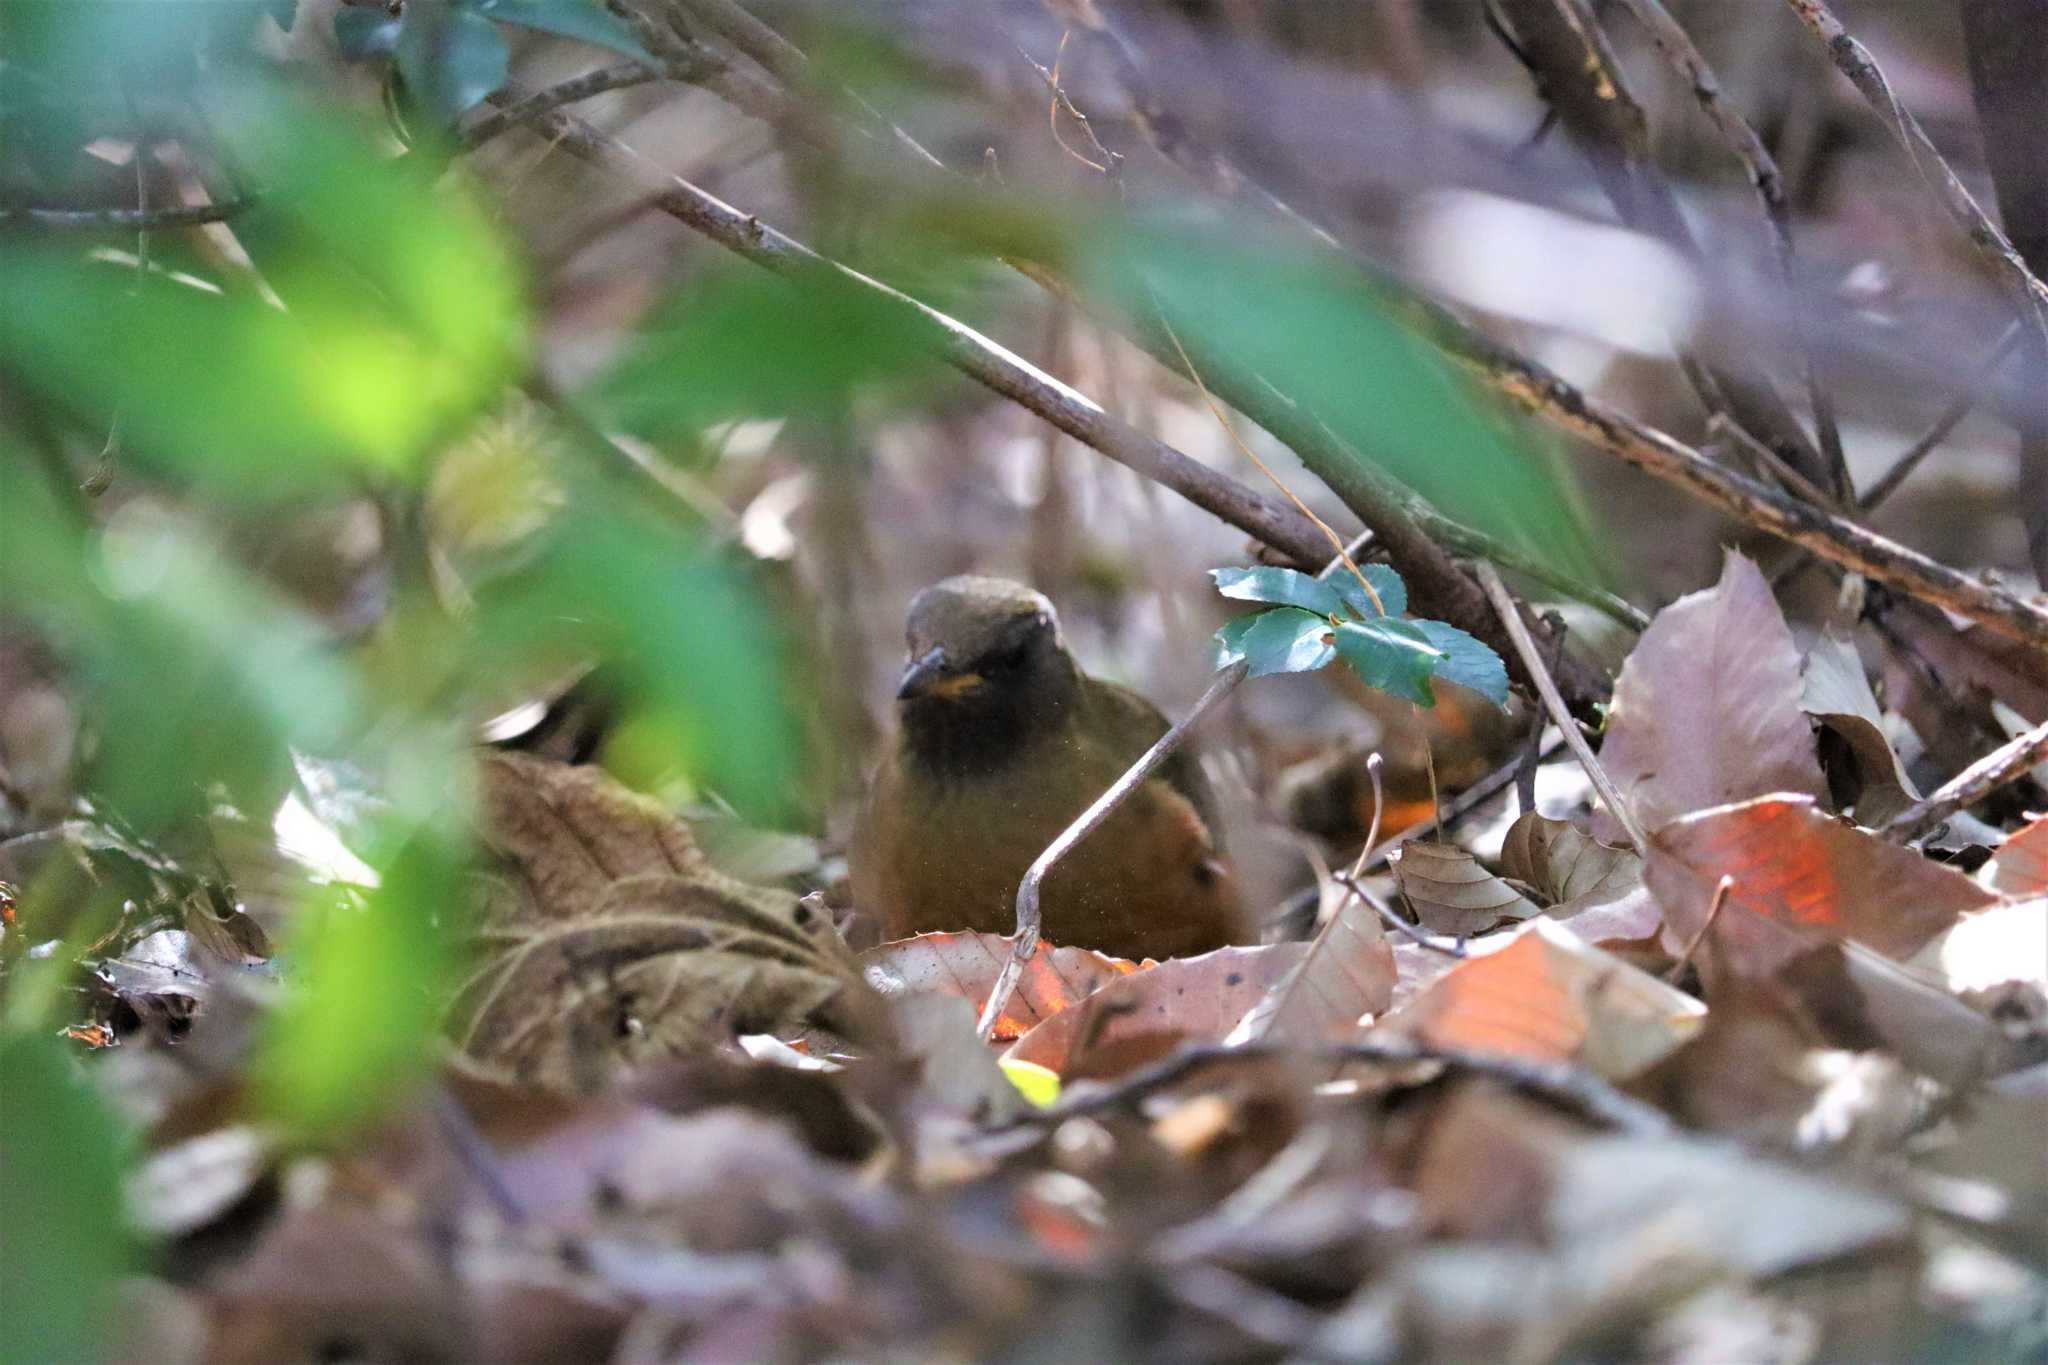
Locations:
(1770, 1087)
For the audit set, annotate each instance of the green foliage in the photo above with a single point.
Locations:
(197, 679)
(1325, 335)
(687, 638)
(366, 980)
(1311, 621)
(746, 344)
(403, 313)
(452, 54)
(63, 1239)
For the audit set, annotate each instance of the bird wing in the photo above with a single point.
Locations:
(1121, 719)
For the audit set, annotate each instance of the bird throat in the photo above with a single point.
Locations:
(958, 739)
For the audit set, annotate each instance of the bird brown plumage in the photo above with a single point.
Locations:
(1002, 741)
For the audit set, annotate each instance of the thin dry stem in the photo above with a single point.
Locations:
(1546, 686)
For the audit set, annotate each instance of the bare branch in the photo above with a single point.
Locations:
(2002, 765)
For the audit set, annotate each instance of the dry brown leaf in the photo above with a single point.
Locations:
(1567, 866)
(966, 964)
(1347, 973)
(1451, 893)
(610, 940)
(1798, 874)
(1837, 693)
(1149, 1013)
(2020, 866)
(1549, 995)
(1706, 710)
(1758, 1071)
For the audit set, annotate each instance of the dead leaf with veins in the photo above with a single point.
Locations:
(1706, 710)
(1799, 876)
(610, 941)
(1451, 893)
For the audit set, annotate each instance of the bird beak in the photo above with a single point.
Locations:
(931, 675)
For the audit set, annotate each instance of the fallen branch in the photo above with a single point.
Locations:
(2002, 765)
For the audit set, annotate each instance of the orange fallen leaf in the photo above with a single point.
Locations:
(2020, 866)
(1145, 1016)
(1550, 996)
(966, 964)
(1798, 875)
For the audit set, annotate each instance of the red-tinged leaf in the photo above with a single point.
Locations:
(2020, 866)
(1348, 973)
(966, 964)
(1800, 876)
(1150, 1013)
(1706, 710)
(1549, 996)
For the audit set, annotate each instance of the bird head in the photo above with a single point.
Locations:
(975, 642)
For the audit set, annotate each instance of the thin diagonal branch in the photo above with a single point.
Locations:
(1852, 59)
(1910, 458)
(1676, 46)
(2002, 765)
(1266, 519)
(188, 215)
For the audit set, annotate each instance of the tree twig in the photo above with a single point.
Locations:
(1910, 458)
(2007, 763)
(1852, 59)
(1028, 917)
(1518, 630)
(1677, 48)
(1266, 519)
(620, 76)
(1833, 538)
(186, 215)
(1558, 1082)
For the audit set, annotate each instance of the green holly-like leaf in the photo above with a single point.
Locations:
(1281, 588)
(1392, 655)
(1393, 592)
(584, 20)
(451, 57)
(1467, 662)
(1283, 640)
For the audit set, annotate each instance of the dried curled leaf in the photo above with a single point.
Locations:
(1838, 695)
(610, 940)
(1567, 866)
(1451, 893)
(1347, 975)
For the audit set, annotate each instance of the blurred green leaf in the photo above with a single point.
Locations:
(1283, 640)
(586, 20)
(1466, 661)
(1282, 587)
(450, 55)
(364, 991)
(63, 1236)
(686, 634)
(402, 313)
(1392, 655)
(1323, 333)
(1393, 592)
(361, 32)
(195, 676)
(748, 344)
